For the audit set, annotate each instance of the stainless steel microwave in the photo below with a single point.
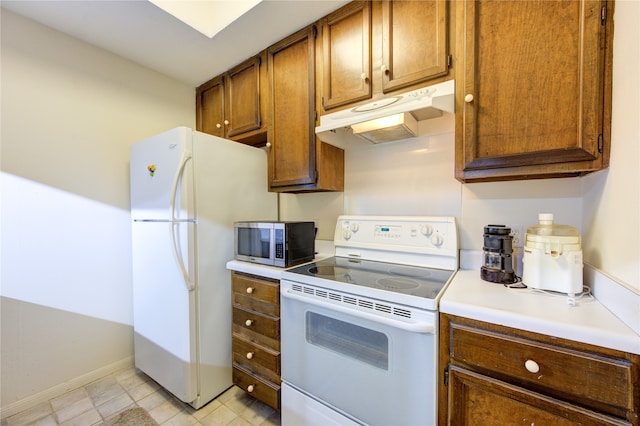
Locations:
(280, 244)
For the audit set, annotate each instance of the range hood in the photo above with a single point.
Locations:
(388, 119)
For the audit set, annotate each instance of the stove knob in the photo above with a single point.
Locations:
(437, 240)
(426, 230)
(346, 233)
(355, 227)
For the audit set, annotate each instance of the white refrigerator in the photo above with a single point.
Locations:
(187, 189)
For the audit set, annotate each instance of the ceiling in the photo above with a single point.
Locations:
(143, 33)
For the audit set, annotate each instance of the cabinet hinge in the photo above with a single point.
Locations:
(600, 144)
(446, 377)
(603, 15)
(449, 61)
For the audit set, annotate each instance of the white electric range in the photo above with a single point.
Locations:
(359, 331)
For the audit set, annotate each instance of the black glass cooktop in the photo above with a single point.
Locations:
(409, 280)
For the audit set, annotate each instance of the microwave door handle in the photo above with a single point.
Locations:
(413, 327)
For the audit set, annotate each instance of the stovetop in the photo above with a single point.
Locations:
(401, 259)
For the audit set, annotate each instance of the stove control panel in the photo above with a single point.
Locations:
(381, 237)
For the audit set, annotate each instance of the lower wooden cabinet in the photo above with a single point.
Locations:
(502, 376)
(256, 336)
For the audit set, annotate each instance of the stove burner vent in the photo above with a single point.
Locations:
(364, 304)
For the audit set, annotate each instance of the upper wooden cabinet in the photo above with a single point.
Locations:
(533, 88)
(414, 42)
(346, 49)
(233, 106)
(371, 48)
(297, 160)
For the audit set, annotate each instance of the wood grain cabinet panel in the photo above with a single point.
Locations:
(234, 105)
(488, 401)
(346, 53)
(414, 42)
(298, 161)
(533, 88)
(256, 343)
(374, 48)
(210, 107)
(502, 376)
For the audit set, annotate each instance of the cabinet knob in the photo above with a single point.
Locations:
(468, 98)
(248, 323)
(218, 125)
(268, 145)
(249, 355)
(249, 290)
(226, 122)
(384, 69)
(531, 366)
(363, 77)
(250, 388)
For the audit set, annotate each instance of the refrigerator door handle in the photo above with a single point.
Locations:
(176, 255)
(186, 156)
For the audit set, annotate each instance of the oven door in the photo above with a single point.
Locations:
(378, 370)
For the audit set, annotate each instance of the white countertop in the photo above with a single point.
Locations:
(588, 321)
(324, 249)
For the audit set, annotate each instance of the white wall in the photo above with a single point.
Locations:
(69, 113)
(612, 198)
(415, 177)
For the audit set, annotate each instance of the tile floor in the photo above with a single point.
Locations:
(105, 398)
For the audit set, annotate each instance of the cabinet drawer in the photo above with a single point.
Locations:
(255, 288)
(265, 391)
(257, 322)
(253, 354)
(588, 379)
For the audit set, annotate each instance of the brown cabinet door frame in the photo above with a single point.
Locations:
(346, 37)
(292, 154)
(210, 107)
(243, 97)
(406, 59)
(531, 104)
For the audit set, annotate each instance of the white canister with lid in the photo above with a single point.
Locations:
(552, 257)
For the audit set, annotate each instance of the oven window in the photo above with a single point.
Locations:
(353, 341)
(254, 242)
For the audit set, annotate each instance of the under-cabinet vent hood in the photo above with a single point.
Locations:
(388, 119)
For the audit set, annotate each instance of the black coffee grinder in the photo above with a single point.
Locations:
(498, 263)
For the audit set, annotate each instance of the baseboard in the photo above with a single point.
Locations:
(62, 388)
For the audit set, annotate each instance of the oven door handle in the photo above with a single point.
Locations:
(413, 327)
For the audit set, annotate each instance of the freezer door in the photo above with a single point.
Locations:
(161, 170)
(164, 313)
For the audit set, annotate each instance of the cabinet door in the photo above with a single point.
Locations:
(346, 36)
(414, 42)
(475, 399)
(210, 107)
(292, 152)
(243, 98)
(531, 89)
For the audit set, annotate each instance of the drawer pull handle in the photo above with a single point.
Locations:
(250, 388)
(531, 366)
(249, 290)
(248, 323)
(249, 355)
